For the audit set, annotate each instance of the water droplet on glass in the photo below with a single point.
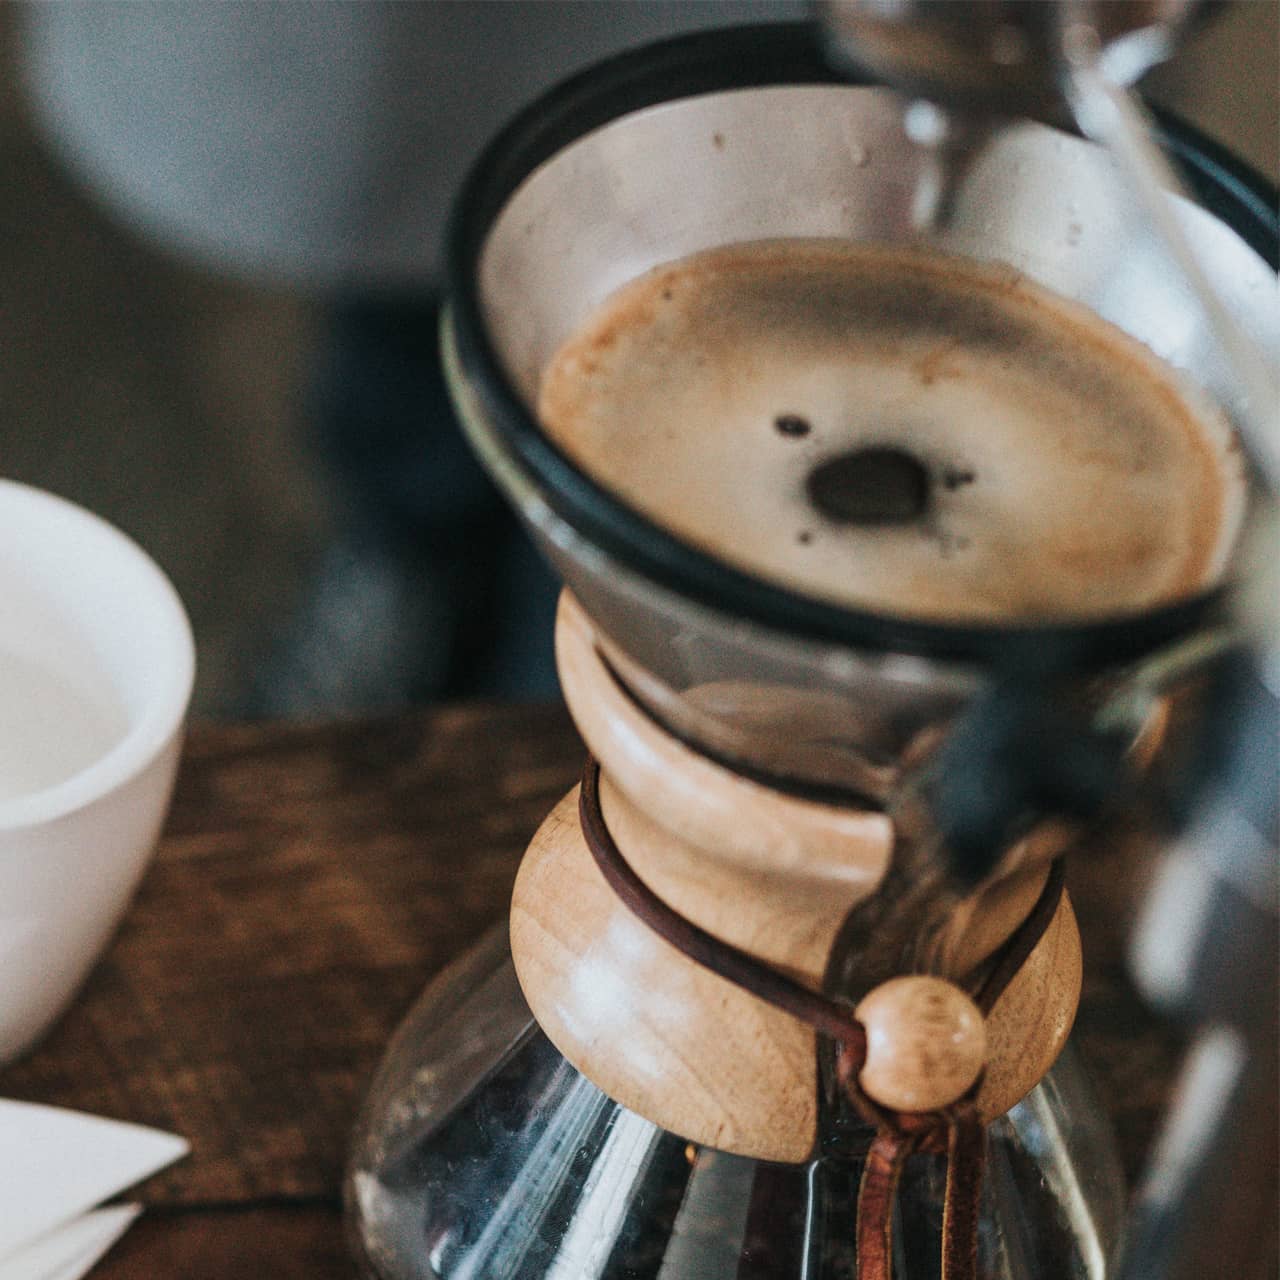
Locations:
(925, 124)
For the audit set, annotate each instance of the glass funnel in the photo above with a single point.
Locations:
(482, 1154)
(740, 136)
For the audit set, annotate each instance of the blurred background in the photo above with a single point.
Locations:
(184, 351)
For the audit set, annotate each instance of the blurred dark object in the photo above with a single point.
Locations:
(1002, 56)
(430, 591)
(1014, 756)
(1207, 949)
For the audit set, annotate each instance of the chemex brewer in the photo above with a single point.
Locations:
(881, 535)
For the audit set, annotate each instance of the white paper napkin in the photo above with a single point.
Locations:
(70, 1251)
(55, 1165)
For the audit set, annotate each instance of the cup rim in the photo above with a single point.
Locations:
(771, 54)
(166, 707)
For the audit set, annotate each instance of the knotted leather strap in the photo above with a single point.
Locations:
(962, 1205)
(881, 1173)
(956, 1132)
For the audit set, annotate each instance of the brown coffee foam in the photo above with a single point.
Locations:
(1072, 475)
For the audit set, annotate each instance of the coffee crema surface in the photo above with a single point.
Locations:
(899, 431)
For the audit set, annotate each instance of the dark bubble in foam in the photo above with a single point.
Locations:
(792, 424)
(875, 485)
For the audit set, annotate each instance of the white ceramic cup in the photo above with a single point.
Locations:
(96, 667)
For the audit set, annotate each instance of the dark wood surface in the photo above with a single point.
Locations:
(311, 879)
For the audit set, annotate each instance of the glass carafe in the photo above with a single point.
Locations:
(482, 1154)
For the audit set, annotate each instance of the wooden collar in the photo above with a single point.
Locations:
(955, 1129)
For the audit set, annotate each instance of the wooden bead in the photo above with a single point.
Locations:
(926, 1043)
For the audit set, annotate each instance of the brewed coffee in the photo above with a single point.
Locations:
(900, 431)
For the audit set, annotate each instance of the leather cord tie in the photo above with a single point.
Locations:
(957, 1131)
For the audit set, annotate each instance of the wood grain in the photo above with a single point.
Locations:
(667, 1038)
(1030, 1023)
(280, 1242)
(311, 880)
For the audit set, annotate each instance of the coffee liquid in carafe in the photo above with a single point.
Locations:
(899, 431)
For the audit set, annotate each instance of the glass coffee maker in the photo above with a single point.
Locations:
(711, 1044)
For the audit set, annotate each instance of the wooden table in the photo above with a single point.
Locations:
(310, 880)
